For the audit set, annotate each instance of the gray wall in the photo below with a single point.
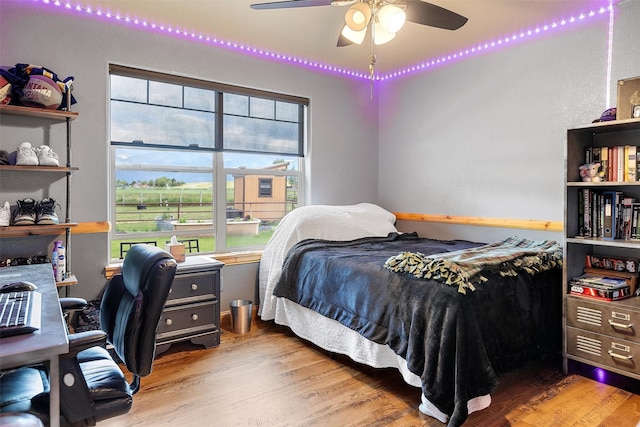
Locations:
(342, 117)
(485, 136)
(480, 137)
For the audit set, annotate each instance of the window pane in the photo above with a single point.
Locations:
(165, 94)
(128, 89)
(165, 193)
(265, 187)
(199, 99)
(236, 104)
(287, 111)
(161, 125)
(249, 134)
(262, 108)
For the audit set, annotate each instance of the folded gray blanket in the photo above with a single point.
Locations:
(463, 268)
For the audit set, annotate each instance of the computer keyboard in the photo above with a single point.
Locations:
(19, 313)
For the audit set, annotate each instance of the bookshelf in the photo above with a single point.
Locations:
(41, 115)
(597, 332)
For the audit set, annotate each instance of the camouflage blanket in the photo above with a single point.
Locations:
(464, 268)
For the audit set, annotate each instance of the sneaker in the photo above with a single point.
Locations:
(26, 212)
(46, 156)
(5, 215)
(26, 155)
(46, 212)
(4, 157)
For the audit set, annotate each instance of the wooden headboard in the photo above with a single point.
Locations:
(528, 224)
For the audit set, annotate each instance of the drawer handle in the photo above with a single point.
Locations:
(620, 325)
(620, 356)
(194, 286)
(194, 317)
(169, 322)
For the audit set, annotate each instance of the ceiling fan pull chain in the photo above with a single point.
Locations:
(372, 57)
(372, 63)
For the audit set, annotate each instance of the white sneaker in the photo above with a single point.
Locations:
(5, 214)
(46, 156)
(26, 155)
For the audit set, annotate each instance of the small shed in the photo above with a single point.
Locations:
(261, 196)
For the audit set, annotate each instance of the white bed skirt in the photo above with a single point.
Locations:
(313, 327)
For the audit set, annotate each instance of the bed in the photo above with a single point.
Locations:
(335, 275)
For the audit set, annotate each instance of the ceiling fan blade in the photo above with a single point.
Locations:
(343, 41)
(291, 3)
(429, 14)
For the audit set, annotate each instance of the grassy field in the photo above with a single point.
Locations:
(150, 209)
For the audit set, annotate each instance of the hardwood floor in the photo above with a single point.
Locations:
(270, 378)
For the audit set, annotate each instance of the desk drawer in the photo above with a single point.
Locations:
(604, 318)
(188, 320)
(605, 350)
(192, 287)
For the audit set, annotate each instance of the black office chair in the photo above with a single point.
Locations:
(92, 386)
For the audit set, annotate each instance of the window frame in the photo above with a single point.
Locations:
(219, 173)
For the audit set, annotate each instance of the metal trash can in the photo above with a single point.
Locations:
(241, 315)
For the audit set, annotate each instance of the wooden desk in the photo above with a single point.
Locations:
(47, 343)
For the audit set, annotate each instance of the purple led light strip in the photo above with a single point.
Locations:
(239, 47)
(482, 47)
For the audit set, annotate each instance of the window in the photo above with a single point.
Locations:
(206, 162)
(265, 186)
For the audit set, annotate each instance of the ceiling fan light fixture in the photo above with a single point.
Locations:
(381, 35)
(356, 37)
(392, 18)
(357, 16)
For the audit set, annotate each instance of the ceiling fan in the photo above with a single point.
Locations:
(385, 17)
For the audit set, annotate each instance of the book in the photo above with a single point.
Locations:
(635, 221)
(637, 163)
(601, 294)
(586, 212)
(621, 171)
(600, 282)
(613, 163)
(604, 164)
(626, 205)
(627, 265)
(609, 215)
(631, 163)
(631, 279)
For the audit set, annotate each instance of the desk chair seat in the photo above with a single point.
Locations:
(92, 386)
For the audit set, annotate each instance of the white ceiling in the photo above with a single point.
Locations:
(312, 32)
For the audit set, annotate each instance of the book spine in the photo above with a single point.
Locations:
(604, 160)
(614, 163)
(635, 213)
(631, 164)
(621, 169)
(609, 215)
(586, 196)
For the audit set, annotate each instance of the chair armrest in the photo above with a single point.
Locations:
(84, 340)
(72, 304)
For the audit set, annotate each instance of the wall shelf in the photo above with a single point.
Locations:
(39, 113)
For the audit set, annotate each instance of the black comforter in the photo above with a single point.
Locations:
(456, 343)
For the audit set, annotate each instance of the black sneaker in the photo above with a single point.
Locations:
(46, 212)
(26, 212)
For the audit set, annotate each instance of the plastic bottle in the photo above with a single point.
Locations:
(61, 264)
(54, 260)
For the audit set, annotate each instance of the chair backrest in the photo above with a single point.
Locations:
(132, 305)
